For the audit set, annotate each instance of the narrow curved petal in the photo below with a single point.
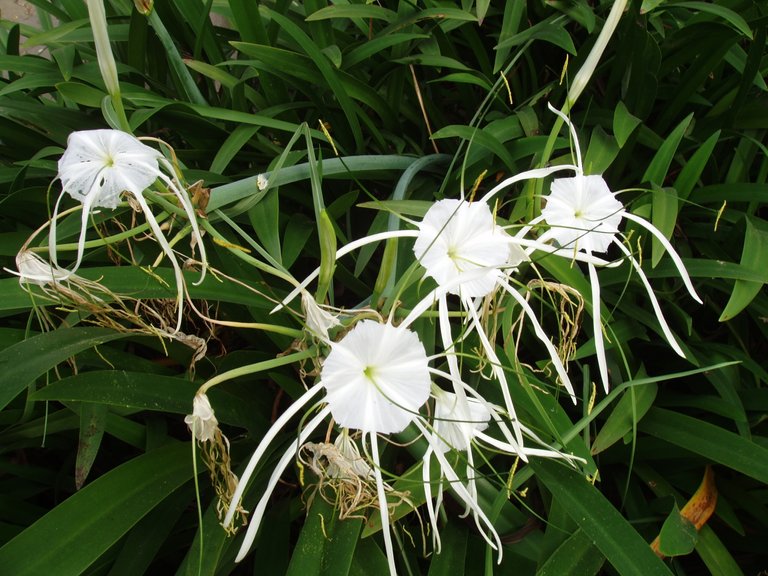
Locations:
(597, 328)
(277, 472)
(654, 302)
(670, 250)
(261, 449)
(539, 331)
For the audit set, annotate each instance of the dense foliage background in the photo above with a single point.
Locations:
(420, 100)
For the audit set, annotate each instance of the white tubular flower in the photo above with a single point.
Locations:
(98, 166)
(583, 216)
(457, 238)
(456, 420)
(202, 422)
(376, 378)
(582, 213)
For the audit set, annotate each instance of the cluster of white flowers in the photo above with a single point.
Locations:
(378, 379)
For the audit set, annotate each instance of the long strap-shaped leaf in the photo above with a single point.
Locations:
(621, 544)
(22, 363)
(79, 530)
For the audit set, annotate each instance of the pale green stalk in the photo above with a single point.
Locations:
(106, 59)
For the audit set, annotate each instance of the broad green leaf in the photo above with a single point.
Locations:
(366, 11)
(601, 152)
(708, 441)
(577, 556)
(691, 172)
(452, 557)
(731, 17)
(633, 405)
(81, 93)
(143, 391)
(99, 515)
(663, 217)
(753, 256)
(326, 544)
(659, 166)
(93, 421)
(716, 555)
(624, 123)
(602, 524)
(678, 535)
(22, 363)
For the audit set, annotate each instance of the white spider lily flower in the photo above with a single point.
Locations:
(468, 254)
(376, 378)
(202, 422)
(459, 423)
(98, 166)
(457, 237)
(583, 216)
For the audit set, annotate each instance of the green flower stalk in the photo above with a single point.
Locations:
(106, 59)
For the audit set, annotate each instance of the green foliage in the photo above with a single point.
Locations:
(417, 101)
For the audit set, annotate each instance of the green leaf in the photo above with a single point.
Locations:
(99, 515)
(691, 172)
(22, 363)
(81, 93)
(709, 441)
(633, 405)
(659, 166)
(93, 420)
(345, 11)
(622, 546)
(624, 123)
(753, 255)
(141, 391)
(663, 217)
(678, 535)
(577, 556)
(453, 555)
(326, 544)
(731, 17)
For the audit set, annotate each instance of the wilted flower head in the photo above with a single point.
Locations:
(376, 378)
(318, 320)
(98, 166)
(33, 269)
(202, 422)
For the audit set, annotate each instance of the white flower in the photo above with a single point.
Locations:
(376, 378)
(582, 213)
(583, 216)
(456, 420)
(98, 166)
(456, 238)
(202, 422)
